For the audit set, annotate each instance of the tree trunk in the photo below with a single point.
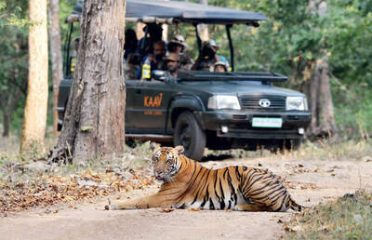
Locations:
(6, 123)
(320, 101)
(35, 113)
(94, 120)
(56, 55)
(319, 88)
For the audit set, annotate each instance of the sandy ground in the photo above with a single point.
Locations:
(308, 182)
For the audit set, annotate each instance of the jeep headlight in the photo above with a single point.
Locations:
(296, 103)
(223, 102)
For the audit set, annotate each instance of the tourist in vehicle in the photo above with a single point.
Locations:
(172, 62)
(179, 46)
(154, 61)
(131, 43)
(220, 67)
(153, 33)
(132, 67)
(208, 57)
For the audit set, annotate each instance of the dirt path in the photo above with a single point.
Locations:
(309, 183)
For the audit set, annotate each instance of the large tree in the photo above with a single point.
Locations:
(318, 87)
(35, 113)
(94, 120)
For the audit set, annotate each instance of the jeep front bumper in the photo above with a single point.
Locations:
(238, 124)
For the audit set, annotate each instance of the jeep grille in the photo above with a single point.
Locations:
(277, 103)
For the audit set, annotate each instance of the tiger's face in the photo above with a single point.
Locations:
(165, 162)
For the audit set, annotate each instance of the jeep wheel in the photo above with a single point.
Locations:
(293, 144)
(188, 133)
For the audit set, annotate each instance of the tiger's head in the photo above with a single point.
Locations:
(166, 162)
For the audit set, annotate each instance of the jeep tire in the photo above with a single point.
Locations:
(188, 133)
(293, 144)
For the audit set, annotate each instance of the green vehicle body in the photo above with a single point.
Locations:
(175, 111)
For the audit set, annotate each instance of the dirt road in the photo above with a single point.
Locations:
(309, 183)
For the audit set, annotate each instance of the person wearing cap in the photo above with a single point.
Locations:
(154, 61)
(178, 45)
(208, 57)
(220, 67)
(172, 63)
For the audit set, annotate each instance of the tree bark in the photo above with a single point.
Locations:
(319, 89)
(56, 55)
(94, 120)
(35, 113)
(6, 123)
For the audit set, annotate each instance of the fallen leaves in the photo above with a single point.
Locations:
(49, 190)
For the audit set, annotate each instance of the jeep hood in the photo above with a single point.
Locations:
(237, 88)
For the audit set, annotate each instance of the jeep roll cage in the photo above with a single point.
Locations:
(175, 12)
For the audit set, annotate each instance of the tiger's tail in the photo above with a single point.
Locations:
(295, 206)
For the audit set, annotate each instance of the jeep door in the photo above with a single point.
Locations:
(133, 111)
(150, 104)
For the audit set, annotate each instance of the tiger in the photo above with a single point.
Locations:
(186, 184)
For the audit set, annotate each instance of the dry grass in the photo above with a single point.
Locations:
(323, 150)
(320, 150)
(350, 217)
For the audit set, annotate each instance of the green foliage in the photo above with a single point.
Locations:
(353, 110)
(13, 13)
(13, 58)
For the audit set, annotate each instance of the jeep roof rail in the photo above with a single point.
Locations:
(243, 76)
(176, 12)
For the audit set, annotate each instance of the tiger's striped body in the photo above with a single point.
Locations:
(187, 184)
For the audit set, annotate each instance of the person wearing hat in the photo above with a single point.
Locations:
(154, 61)
(220, 66)
(208, 57)
(172, 63)
(178, 45)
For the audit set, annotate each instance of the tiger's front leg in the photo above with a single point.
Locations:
(153, 201)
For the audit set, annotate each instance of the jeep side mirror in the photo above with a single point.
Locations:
(160, 75)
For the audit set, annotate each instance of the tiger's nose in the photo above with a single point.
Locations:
(158, 174)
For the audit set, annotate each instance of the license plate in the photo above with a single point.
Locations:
(267, 122)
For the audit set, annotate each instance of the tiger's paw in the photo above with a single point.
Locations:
(110, 206)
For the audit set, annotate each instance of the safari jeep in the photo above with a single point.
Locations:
(205, 109)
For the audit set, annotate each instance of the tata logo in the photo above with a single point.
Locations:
(153, 101)
(265, 103)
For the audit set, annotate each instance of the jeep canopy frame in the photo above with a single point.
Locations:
(174, 12)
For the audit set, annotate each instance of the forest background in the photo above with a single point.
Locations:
(288, 42)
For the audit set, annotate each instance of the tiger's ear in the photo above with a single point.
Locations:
(154, 146)
(179, 149)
